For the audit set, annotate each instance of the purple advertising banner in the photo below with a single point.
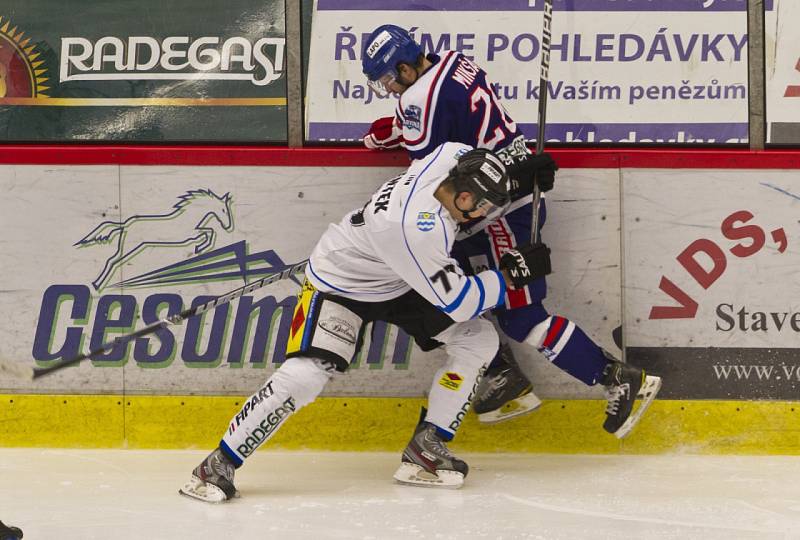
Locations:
(620, 73)
(536, 5)
(683, 133)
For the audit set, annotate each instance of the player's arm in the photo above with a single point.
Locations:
(466, 297)
(384, 134)
(422, 262)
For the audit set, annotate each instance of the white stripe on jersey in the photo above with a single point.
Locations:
(418, 93)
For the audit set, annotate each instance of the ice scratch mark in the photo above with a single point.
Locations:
(637, 519)
(781, 190)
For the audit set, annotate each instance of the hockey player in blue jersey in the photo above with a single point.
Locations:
(447, 97)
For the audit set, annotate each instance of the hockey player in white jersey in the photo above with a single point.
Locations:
(447, 97)
(390, 261)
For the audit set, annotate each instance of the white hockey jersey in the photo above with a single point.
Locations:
(401, 239)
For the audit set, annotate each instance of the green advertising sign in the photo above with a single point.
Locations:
(199, 71)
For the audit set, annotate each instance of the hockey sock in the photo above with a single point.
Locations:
(470, 346)
(569, 348)
(295, 384)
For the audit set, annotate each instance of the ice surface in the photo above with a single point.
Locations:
(132, 494)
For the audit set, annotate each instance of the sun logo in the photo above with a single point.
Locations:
(21, 74)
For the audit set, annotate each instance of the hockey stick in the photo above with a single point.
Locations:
(544, 76)
(35, 373)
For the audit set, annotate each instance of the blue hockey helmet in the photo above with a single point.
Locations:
(387, 46)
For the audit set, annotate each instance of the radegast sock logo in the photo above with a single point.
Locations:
(22, 74)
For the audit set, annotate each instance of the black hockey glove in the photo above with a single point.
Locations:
(523, 172)
(545, 171)
(526, 263)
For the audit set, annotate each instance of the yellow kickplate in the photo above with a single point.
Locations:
(386, 424)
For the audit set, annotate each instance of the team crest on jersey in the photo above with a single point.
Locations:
(412, 117)
(426, 221)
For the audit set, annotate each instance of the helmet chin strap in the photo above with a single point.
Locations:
(465, 213)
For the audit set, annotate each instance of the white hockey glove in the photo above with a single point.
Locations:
(384, 134)
(527, 263)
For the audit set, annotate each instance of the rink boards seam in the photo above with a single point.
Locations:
(385, 424)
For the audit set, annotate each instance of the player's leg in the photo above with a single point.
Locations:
(295, 384)
(505, 391)
(426, 460)
(469, 346)
(312, 359)
(564, 343)
(568, 347)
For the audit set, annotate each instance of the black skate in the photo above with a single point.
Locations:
(212, 480)
(624, 384)
(8, 532)
(504, 392)
(427, 462)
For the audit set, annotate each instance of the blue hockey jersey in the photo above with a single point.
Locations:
(453, 101)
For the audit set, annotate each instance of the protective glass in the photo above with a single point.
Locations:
(489, 207)
(382, 85)
(494, 211)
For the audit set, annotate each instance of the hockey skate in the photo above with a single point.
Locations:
(624, 385)
(9, 533)
(504, 391)
(212, 480)
(427, 462)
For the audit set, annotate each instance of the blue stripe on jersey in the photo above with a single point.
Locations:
(502, 299)
(444, 228)
(481, 298)
(403, 224)
(323, 281)
(309, 267)
(457, 302)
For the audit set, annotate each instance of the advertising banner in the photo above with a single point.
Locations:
(783, 73)
(634, 71)
(94, 252)
(142, 71)
(711, 288)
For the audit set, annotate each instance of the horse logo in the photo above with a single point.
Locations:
(190, 222)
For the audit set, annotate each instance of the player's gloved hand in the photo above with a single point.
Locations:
(544, 168)
(522, 173)
(526, 263)
(384, 134)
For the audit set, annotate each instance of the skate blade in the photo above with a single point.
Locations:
(197, 489)
(647, 393)
(516, 407)
(410, 474)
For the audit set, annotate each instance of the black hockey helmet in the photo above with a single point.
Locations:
(482, 174)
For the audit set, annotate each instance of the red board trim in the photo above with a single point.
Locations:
(359, 157)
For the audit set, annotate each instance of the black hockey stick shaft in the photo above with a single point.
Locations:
(176, 319)
(544, 77)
